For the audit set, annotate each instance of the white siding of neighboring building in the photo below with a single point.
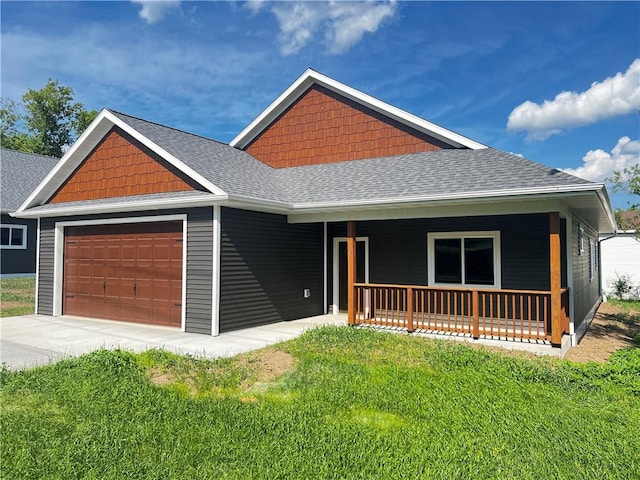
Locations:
(620, 255)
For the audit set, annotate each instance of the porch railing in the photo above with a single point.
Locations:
(489, 313)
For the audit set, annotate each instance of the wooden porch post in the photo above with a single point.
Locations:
(557, 328)
(351, 272)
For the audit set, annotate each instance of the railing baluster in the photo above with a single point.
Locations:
(529, 314)
(513, 314)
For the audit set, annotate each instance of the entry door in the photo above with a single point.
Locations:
(342, 270)
(128, 272)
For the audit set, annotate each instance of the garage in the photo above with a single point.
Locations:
(125, 272)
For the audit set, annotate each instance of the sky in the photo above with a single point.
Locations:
(556, 82)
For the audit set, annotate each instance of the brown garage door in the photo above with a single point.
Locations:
(128, 272)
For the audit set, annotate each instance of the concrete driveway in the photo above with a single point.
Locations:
(32, 340)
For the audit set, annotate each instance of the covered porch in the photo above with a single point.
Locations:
(523, 315)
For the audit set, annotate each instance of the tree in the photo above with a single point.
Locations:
(628, 181)
(51, 121)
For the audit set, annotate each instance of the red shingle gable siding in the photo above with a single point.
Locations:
(118, 167)
(324, 127)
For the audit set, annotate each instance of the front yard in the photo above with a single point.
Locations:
(334, 403)
(17, 296)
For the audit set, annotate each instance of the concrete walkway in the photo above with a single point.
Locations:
(32, 340)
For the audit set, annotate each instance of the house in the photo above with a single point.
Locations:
(21, 173)
(329, 200)
(620, 256)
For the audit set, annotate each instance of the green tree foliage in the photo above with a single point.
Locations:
(628, 181)
(47, 122)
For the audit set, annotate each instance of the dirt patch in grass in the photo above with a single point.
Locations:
(612, 328)
(266, 365)
(249, 372)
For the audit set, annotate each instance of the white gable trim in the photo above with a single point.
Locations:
(86, 143)
(310, 77)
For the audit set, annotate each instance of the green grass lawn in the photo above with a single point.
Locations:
(17, 296)
(334, 403)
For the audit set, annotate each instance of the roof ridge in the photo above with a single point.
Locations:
(169, 127)
(30, 153)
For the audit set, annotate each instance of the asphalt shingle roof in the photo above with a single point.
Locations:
(435, 173)
(21, 173)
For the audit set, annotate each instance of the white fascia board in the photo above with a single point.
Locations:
(132, 206)
(447, 199)
(165, 155)
(310, 77)
(603, 197)
(248, 203)
(87, 142)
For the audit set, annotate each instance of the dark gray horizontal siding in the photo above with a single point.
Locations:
(398, 248)
(45, 271)
(199, 262)
(265, 265)
(585, 292)
(20, 260)
(199, 270)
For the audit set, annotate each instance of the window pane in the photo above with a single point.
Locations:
(448, 260)
(16, 236)
(4, 236)
(478, 260)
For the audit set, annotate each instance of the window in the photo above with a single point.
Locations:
(593, 259)
(580, 240)
(464, 258)
(13, 236)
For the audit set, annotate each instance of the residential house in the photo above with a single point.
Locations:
(329, 200)
(21, 173)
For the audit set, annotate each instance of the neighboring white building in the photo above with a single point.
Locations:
(620, 256)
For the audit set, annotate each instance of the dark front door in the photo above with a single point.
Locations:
(342, 273)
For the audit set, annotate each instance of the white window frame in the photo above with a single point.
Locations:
(493, 234)
(12, 226)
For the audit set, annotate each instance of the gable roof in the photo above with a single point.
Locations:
(21, 174)
(233, 177)
(310, 77)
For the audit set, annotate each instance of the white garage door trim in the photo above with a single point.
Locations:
(58, 265)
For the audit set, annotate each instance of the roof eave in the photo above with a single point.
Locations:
(204, 200)
(449, 199)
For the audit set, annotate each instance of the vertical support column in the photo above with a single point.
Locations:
(351, 272)
(475, 314)
(557, 327)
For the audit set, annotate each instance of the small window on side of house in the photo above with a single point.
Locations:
(591, 255)
(13, 236)
(580, 240)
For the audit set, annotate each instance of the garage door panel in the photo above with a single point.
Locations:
(111, 271)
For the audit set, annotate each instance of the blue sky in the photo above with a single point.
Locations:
(556, 82)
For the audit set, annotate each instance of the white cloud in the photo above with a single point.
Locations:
(342, 24)
(350, 21)
(617, 95)
(599, 165)
(255, 6)
(153, 11)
